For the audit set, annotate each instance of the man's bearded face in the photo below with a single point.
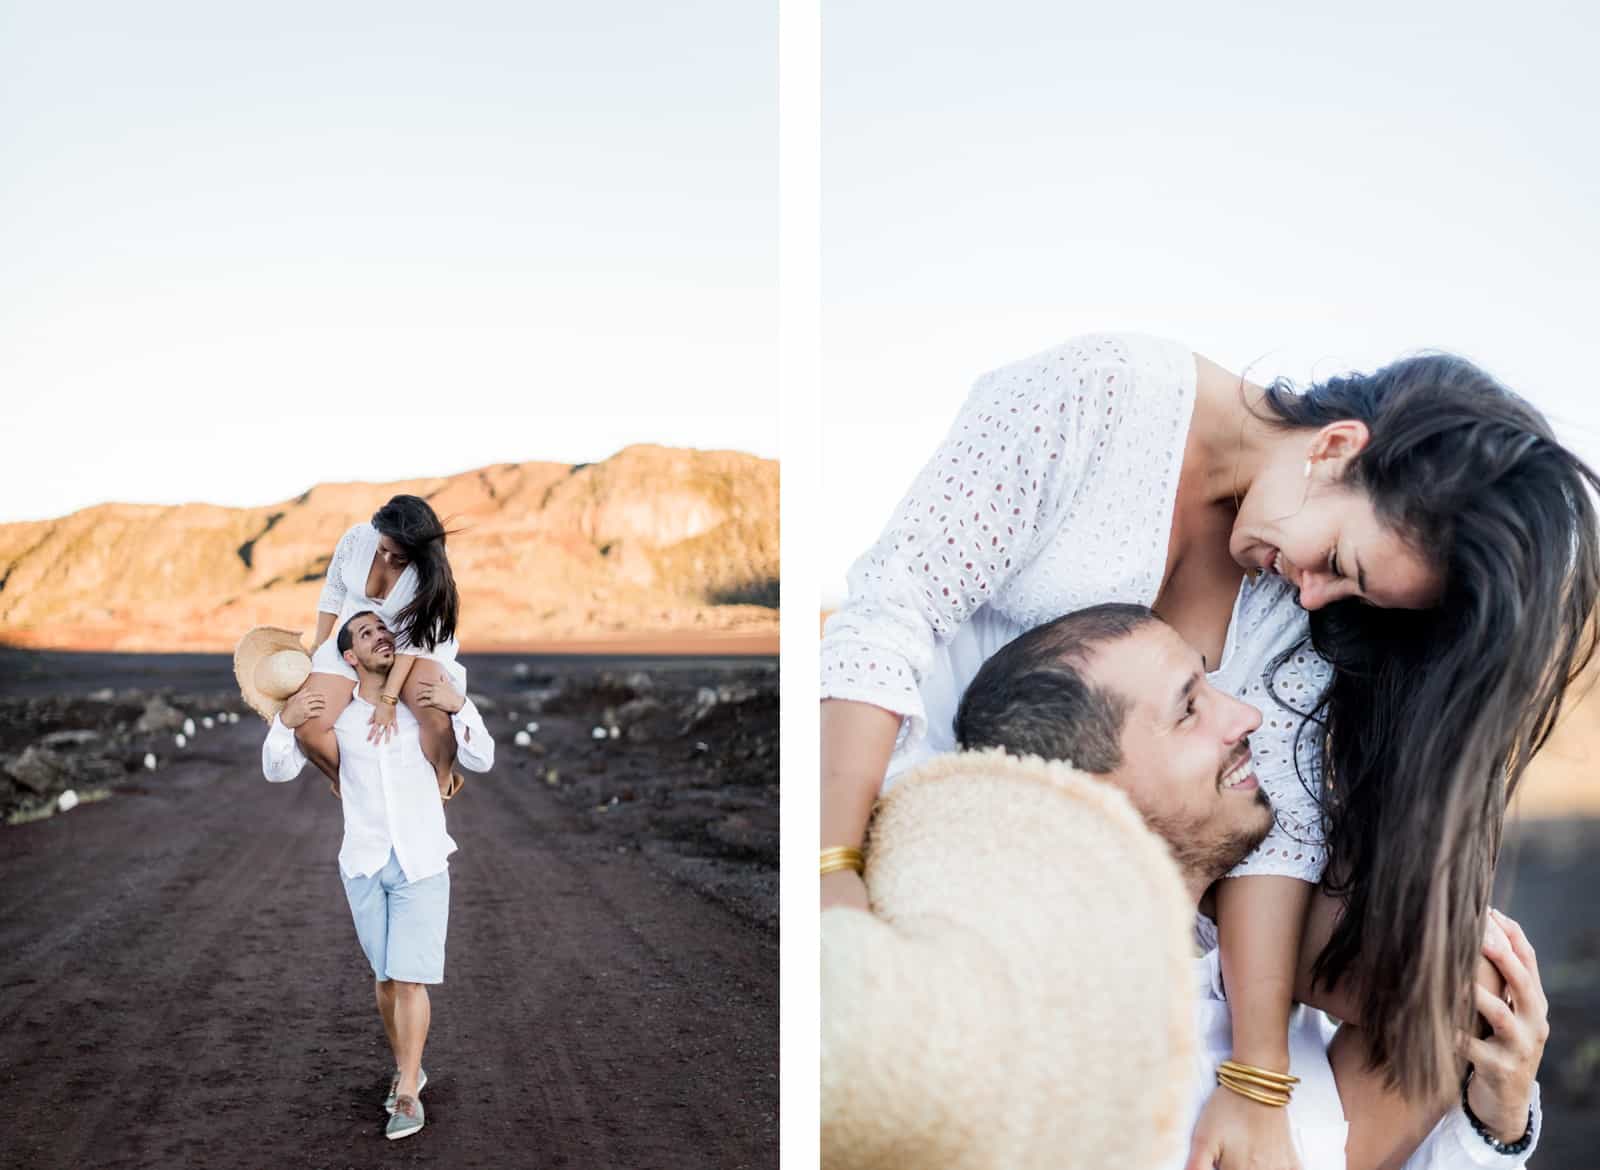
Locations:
(1185, 750)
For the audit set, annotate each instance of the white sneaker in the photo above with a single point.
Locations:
(394, 1088)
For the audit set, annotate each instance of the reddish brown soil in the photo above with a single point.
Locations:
(180, 985)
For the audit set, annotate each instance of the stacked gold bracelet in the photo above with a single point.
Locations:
(1261, 1085)
(842, 857)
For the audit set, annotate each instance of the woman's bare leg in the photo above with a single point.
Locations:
(315, 736)
(438, 738)
(1385, 1127)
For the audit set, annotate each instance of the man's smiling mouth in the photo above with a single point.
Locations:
(1242, 775)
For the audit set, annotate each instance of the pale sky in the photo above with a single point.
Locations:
(1293, 189)
(244, 249)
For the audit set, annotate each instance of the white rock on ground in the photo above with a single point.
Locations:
(67, 801)
(523, 739)
(208, 723)
(598, 733)
(531, 727)
(181, 740)
(149, 761)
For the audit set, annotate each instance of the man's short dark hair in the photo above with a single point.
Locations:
(1032, 698)
(347, 639)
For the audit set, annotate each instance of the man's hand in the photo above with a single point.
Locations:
(302, 706)
(381, 726)
(440, 695)
(1505, 1064)
(1235, 1133)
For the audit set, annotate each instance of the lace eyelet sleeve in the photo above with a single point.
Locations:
(1289, 766)
(333, 588)
(973, 517)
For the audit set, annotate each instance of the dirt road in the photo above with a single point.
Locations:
(180, 985)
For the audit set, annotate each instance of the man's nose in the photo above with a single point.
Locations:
(1242, 719)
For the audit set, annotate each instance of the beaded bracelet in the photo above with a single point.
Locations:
(1517, 1147)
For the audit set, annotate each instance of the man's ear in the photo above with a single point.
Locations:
(350, 657)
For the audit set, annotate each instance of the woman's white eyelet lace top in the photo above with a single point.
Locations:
(1054, 490)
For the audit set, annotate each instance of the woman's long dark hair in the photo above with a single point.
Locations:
(1431, 717)
(430, 618)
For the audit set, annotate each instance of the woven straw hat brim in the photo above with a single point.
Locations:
(1020, 997)
(254, 648)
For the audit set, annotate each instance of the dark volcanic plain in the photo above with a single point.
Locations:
(180, 984)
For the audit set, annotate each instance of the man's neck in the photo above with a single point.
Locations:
(370, 686)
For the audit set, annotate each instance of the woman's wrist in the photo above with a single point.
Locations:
(1262, 1053)
(844, 888)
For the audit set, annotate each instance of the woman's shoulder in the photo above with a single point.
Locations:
(1096, 372)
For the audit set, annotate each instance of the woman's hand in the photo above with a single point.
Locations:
(381, 726)
(1235, 1133)
(844, 888)
(1505, 1063)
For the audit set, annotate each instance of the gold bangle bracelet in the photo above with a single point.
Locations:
(392, 700)
(842, 857)
(1252, 1095)
(1258, 1086)
(1265, 1074)
(1260, 1081)
(1260, 1096)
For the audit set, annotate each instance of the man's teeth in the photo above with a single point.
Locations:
(1237, 775)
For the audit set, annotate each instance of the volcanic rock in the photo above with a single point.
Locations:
(39, 770)
(651, 541)
(160, 715)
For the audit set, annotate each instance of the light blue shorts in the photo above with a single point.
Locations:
(401, 924)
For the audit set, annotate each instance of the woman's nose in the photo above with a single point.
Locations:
(1315, 591)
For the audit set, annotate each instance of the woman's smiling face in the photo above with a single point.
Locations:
(392, 554)
(1324, 535)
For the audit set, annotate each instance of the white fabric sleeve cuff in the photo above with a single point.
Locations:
(1454, 1143)
(474, 744)
(281, 757)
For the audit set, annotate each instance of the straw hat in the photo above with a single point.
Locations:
(1020, 996)
(270, 664)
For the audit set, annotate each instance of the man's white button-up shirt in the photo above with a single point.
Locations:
(389, 791)
(1316, 1114)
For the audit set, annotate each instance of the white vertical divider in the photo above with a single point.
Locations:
(799, 345)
